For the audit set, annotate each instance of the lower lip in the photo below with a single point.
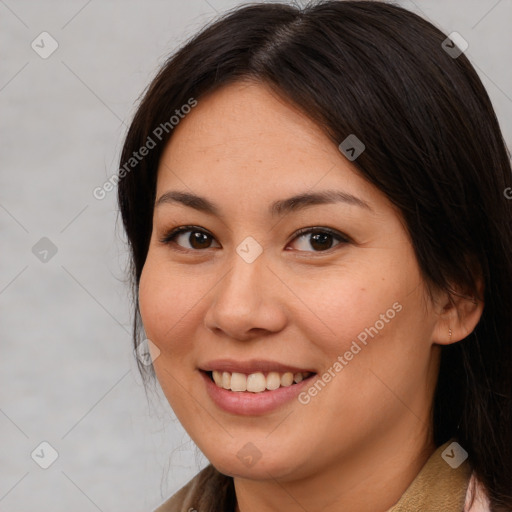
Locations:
(245, 403)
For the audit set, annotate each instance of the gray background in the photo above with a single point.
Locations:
(67, 369)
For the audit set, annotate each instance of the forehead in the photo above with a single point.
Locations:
(243, 141)
(247, 122)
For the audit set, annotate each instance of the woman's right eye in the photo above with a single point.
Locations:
(196, 238)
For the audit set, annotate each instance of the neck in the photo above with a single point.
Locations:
(372, 479)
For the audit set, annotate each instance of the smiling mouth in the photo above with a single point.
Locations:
(258, 382)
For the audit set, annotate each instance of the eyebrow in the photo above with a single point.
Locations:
(277, 208)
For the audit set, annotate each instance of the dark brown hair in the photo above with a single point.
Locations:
(433, 147)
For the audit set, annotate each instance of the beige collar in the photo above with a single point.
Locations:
(438, 486)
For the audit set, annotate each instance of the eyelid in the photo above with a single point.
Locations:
(321, 229)
(173, 233)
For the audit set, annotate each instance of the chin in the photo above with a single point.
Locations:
(247, 461)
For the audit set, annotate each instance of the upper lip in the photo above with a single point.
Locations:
(251, 366)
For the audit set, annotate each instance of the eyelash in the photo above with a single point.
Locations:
(170, 236)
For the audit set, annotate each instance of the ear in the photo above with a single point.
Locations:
(458, 315)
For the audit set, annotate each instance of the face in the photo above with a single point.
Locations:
(242, 290)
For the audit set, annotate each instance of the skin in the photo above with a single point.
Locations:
(243, 147)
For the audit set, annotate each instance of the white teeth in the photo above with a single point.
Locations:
(226, 380)
(238, 382)
(257, 382)
(273, 380)
(287, 379)
(217, 377)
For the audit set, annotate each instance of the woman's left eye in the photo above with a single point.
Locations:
(320, 239)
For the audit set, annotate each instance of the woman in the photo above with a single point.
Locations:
(320, 239)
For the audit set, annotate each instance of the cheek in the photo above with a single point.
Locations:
(344, 306)
(169, 302)
(380, 345)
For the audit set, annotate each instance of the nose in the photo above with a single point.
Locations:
(247, 301)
